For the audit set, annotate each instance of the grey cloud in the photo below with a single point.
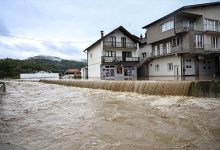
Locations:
(65, 48)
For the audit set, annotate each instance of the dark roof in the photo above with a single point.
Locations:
(122, 29)
(181, 9)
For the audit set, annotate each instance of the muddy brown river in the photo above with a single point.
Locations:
(39, 116)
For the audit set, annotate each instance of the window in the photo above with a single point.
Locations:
(168, 47)
(188, 66)
(176, 41)
(170, 66)
(167, 26)
(126, 54)
(143, 55)
(214, 42)
(108, 71)
(198, 41)
(110, 53)
(188, 60)
(161, 49)
(211, 25)
(128, 71)
(155, 50)
(157, 68)
(113, 41)
(123, 42)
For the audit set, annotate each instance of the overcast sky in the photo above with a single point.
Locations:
(77, 21)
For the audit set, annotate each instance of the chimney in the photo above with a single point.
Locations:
(102, 34)
(141, 36)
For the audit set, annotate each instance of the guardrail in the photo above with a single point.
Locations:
(119, 59)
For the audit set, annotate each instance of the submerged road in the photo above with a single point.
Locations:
(38, 116)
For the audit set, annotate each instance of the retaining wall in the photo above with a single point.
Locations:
(175, 88)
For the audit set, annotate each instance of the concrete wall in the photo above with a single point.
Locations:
(146, 48)
(211, 12)
(163, 66)
(94, 61)
(181, 88)
(154, 32)
(205, 89)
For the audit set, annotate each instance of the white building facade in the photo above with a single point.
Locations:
(114, 56)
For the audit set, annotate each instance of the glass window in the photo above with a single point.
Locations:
(155, 50)
(128, 71)
(110, 53)
(161, 49)
(143, 55)
(198, 41)
(170, 66)
(176, 41)
(168, 47)
(211, 25)
(167, 26)
(157, 68)
(214, 42)
(123, 42)
(113, 41)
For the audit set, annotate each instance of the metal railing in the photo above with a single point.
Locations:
(181, 27)
(109, 44)
(173, 49)
(119, 59)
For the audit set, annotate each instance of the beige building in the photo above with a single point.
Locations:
(185, 42)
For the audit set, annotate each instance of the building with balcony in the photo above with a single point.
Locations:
(114, 56)
(183, 43)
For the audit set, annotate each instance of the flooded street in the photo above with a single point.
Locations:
(38, 116)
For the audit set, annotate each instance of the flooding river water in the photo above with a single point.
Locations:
(38, 116)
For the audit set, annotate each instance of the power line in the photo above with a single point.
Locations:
(39, 40)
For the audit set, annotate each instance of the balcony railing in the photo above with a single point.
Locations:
(109, 44)
(119, 59)
(173, 49)
(181, 27)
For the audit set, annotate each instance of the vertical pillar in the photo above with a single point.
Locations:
(197, 67)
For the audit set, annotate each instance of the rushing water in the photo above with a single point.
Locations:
(39, 116)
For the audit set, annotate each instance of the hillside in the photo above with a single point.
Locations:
(11, 68)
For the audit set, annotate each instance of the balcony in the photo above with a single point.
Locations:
(108, 44)
(109, 59)
(181, 27)
(173, 49)
(176, 49)
(208, 48)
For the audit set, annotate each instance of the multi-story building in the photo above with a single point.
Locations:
(184, 42)
(114, 56)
